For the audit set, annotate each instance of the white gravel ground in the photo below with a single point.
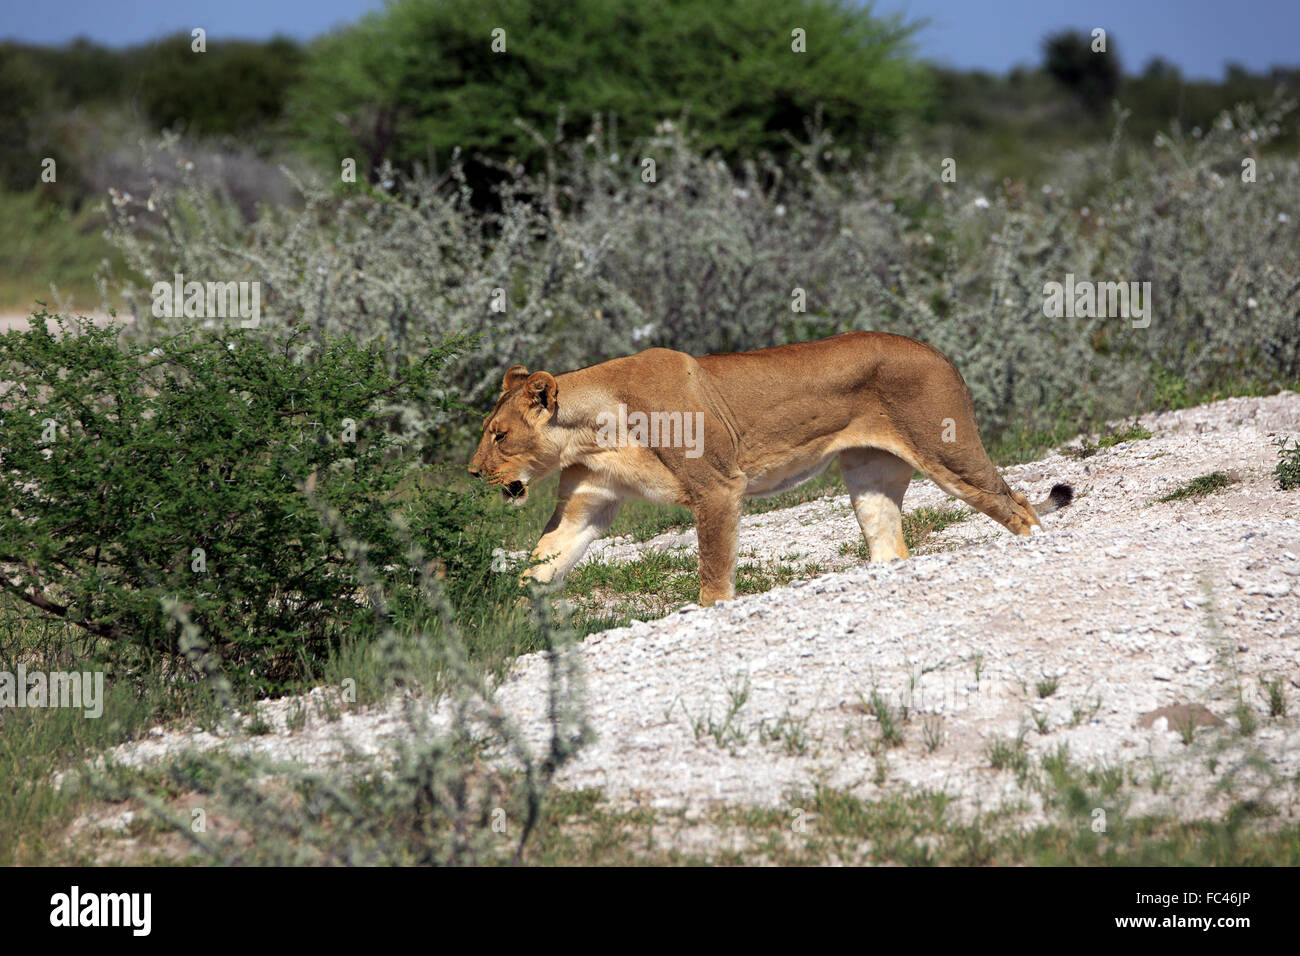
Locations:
(1126, 604)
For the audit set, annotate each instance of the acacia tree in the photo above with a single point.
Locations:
(422, 77)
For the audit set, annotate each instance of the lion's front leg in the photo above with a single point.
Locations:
(584, 511)
(717, 526)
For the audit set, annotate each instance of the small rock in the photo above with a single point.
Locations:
(1275, 587)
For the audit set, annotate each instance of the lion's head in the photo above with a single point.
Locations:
(516, 446)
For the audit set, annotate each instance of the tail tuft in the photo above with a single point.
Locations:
(1061, 495)
(1057, 498)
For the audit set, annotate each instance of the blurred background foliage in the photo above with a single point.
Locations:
(521, 171)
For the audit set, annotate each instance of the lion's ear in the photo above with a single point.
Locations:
(514, 375)
(541, 390)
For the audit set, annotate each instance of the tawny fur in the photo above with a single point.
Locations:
(885, 404)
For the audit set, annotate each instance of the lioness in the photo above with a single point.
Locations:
(743, 424)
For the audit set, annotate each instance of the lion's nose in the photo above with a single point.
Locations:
(475, 470)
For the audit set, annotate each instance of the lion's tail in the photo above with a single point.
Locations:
(1057, 498)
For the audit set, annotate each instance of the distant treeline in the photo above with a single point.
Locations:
(54, 95)
(419, 79)
(1156, 97)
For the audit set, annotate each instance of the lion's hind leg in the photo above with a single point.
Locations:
(970, 475)
(877, 482)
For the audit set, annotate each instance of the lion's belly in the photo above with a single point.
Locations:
(774, 472)
(774, 478)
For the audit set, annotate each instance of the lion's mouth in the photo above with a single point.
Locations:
(516, 492)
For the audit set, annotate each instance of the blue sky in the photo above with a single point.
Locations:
(1199, 36)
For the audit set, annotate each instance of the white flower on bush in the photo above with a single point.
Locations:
(1251, 303)
(643, 332)
(780, 209)
(979, 203)
(1283, 217)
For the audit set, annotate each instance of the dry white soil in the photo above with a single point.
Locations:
(1126, 606)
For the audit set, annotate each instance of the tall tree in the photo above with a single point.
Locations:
(422, 77)
(1092, 75)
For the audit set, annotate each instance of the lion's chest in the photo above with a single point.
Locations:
(635, 472)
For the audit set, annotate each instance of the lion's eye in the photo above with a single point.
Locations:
(497, 436)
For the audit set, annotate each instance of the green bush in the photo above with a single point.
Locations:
(233, 88)
(198, 468)
(420, 79)
(27, 93)
(1287, 469)
(1093, 77)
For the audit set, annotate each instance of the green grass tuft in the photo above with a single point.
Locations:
(1201, 486)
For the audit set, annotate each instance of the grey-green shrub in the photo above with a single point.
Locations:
(592, 262)
(462, 782)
